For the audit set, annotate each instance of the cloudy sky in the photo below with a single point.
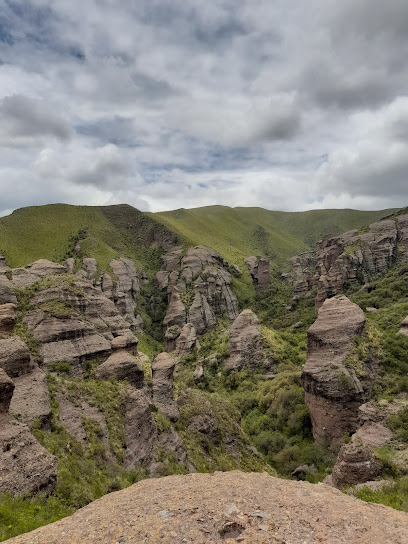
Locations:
(288, 105)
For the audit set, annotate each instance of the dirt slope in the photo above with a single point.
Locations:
(226, 507)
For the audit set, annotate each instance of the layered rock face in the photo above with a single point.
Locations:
(15, 358)
(199, 288)
(260, 272)
(333, 390)
(244, 342)
(25, 466)
(162, 379)
(304, 271)
(351, 258)
(73, 321)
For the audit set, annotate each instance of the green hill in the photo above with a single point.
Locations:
(239, 232)
(104, 232)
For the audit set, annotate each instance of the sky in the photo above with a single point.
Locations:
(287, 105)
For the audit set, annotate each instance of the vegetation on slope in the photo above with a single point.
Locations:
(237, 233)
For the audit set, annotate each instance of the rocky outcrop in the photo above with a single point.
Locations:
(15, 358)
(121, 365)
(244, 342)
(8, 315)
(3, 265)
(127, 341)
(162, 381)
(202, 272)
(6, 391)
(304, 271)
(140, 431)
(24, 277)
(90, 266)
(7, 295)
(200, 314)
(126, 290)
(260, 272)
(226, 507)
(334, 390)
(176, 311)
(356, 462)
(404, 327)
(25, 466)
(31, 398)
(355, 256)
(73, 321)
(186, 341)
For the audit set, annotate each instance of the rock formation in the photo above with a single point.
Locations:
(260, 272)
(162, 380)
(204, 273)
(7, 295)
(304, 271)
(404, 327)
(351, 258)
(73, 321)
(356, 462)
(244, 342)
(15, 356)
(25, 466)
(8, 315)
(6, 391)
(333, 390)
(186, 341)
(122, 366)
(140, 431)
(126, 290)
(226, 507)
(31, 398)
(24, 277)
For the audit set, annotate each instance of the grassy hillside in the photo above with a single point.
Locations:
(240, 232)
(52, 231)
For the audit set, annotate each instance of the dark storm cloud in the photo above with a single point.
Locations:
(23, 121)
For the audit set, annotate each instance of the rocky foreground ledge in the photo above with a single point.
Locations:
(226, 507)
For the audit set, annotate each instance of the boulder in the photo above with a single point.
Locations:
(31, 398)
(25, 466)
(7, 294)
(162, 381)
(244, 341)
(334, 391)
(356, 462)
(404, 327)
(126, 341)
(8, 315)
(170, 337)
(15, 356)
(122, 366)
(6, 391)
(140, 431)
